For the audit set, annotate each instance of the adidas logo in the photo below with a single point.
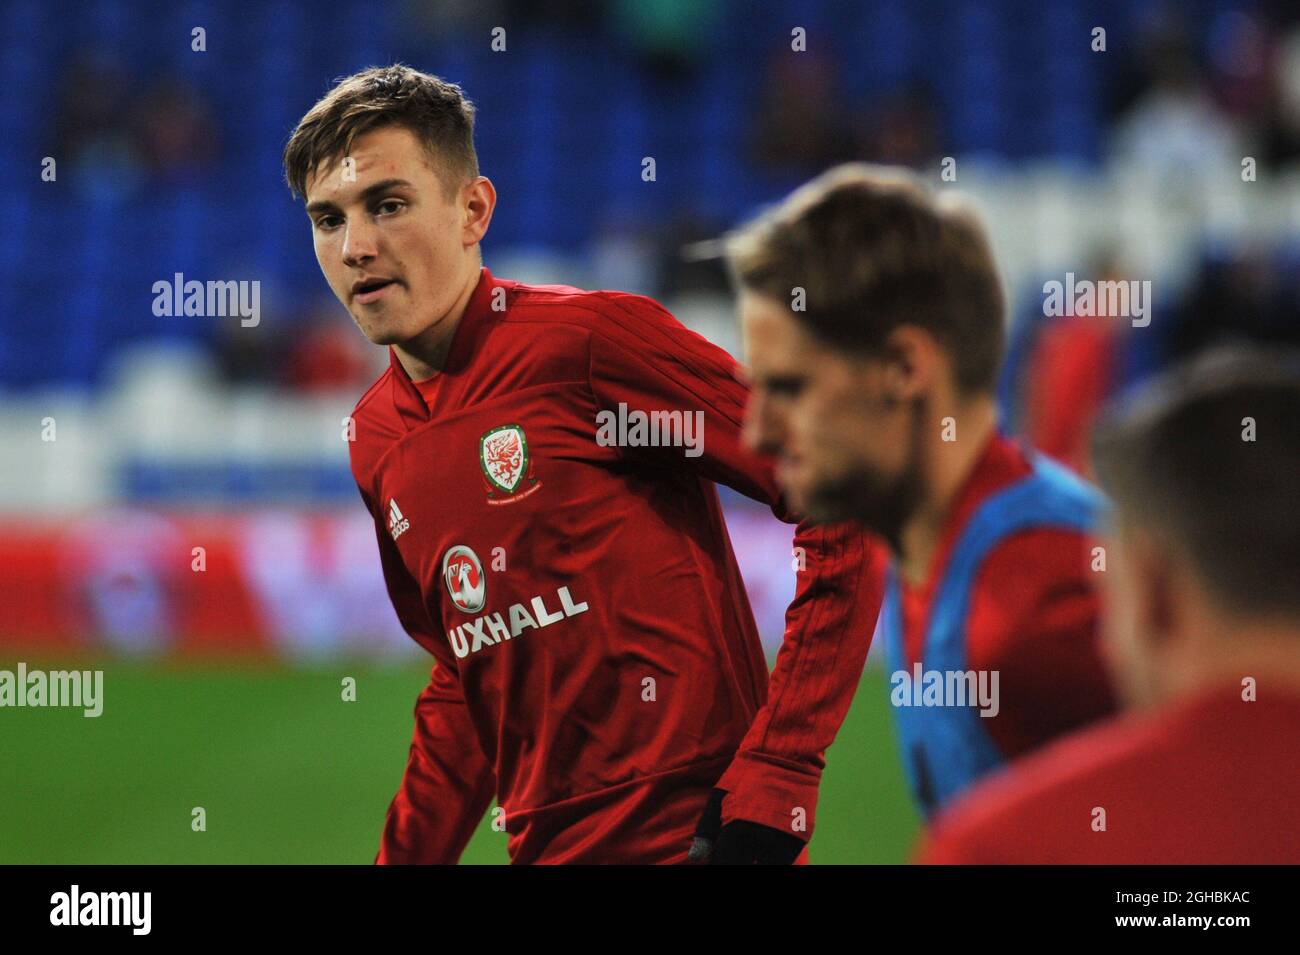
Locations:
(397, 524)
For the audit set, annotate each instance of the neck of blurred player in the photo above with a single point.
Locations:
(424, 355)
(1220, 649)
(943, 468)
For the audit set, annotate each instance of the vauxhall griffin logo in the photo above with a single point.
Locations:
(463, 575)
(503, 455)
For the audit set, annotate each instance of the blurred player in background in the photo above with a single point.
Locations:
(598, 668)
(1203, 618)
(873, 325)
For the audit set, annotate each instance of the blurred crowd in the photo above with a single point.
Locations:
(1188, 91)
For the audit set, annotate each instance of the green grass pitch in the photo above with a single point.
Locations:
(289, 773)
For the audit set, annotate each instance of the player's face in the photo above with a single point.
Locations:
(394, 247)
(843, 451)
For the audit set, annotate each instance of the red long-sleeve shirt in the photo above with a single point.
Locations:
(1209, 779)
(598, 668)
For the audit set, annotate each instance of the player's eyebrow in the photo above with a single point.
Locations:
(783, 383)
(383, 185)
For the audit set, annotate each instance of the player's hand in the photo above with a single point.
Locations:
(740, 842)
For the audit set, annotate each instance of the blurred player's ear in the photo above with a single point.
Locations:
(479, 202)
(913, 362)
(1157, 584)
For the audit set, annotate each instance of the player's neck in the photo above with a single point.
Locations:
(1261, 649)
(425, 355)
(950, 452)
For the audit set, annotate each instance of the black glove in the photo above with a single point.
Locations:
(740, 842)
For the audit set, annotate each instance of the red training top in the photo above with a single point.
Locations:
(598, 666)
(1208, 780)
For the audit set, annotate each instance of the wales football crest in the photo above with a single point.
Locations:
(503, 455)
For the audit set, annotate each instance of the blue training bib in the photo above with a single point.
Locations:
(946, 748)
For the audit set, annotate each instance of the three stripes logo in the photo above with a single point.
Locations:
(397, 524)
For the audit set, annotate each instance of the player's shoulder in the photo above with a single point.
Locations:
(373, 426)
(368, 396)
(596, 310)
(1051, 548)
(1040, 562)
(375, 407)
(1037, 583)
(1043, 784)
(619, 328)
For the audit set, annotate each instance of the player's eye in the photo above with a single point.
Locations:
(390, 206)
(784, 387)
(326, 223)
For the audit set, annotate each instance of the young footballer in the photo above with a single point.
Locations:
(1203, 618)
(541, 462)
(873, 326)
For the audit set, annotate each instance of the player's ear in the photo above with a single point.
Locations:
(1157, 579)
(479, 201)
(911, 363)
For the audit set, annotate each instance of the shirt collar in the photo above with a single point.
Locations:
(411, 405)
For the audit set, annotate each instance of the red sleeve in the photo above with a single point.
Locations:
(643, 356)
(1035, 619)
(448, 783)
(828, 630)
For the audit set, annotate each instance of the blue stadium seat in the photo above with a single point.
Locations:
(565, 122)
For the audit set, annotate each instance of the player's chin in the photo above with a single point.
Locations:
(824, 508)
(808, 500)
(830, 499)
(381, 332)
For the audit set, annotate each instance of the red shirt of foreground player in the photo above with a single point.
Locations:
(598, 666)
(1204, 782)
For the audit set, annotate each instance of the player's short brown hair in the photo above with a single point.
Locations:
(436, 111)
(873, 249)
(1207, 457)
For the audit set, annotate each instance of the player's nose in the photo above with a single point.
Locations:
(359, 245)
(758, 431)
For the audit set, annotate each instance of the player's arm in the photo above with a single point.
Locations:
(775, 776)
(646, 358)
(448, 783)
